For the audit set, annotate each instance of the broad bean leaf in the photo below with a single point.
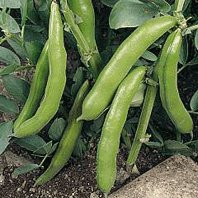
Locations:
(196, 39)
(5, 133)
(139, 96)
(162, 5)
(172, 147)
(7, 105)
(109, 3)
(17, 47)
(24, 9)
(56, 129)
(149, 56)
(154, 145)
(193, 145)
(10, 4)
(8, 57)
(33, 50)
(45, 149)
(131, 13)
(79, 148)
(7, 70)
(184, 52)
(8, 24)
(78, 80)
(16, 87)
(194, 102)
(31, 143)
(24, 169)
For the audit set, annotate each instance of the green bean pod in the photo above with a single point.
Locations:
(120, 64)
(114, 122)
(85, 11)
(148, 104)
(37, 88)
(56, 80)
(68, 141)
(169, 94)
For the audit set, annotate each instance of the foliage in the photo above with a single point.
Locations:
(23, 33)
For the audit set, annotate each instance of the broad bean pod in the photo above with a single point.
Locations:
(68, 140)
(111, 131)
(56, 80)
(169, 94)
(37, 88)
(121, 62)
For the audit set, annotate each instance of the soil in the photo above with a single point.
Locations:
(77, 179)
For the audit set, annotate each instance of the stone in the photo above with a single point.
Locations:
(176, 177)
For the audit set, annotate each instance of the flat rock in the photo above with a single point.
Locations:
(176, 177)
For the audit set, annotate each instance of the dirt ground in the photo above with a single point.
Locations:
(76, 180)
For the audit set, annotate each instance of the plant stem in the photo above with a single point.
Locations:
(182, 68)
(147, 108)
(90, 57)
(2, 40)
(193, 112)
(179, 4)
(43, 160)
(192, 28)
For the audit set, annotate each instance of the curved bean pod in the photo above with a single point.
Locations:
(114, 122)
(56, 80)
(68, 141)
(148, 104)
(37, 88)
(169, 94)
(119, 65)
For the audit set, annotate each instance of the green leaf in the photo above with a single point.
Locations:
(196, 39)
(194, 61)
(157, 135)
(194, 102)
(109, 3)
(54, 147)
(17, 47)
(24, 169)
(10, 4)
(5, 133)
(33, 50)
(7, 70)
(31, 12)
(138, 99)
(8, 24)
(8, 57)
(162, 5)
(173, 147)
(154, 145)
(45, 149)
(149, 56)
(98, 123)
(130, 13)
(31, 143)
(193, 145)
(23, 12)
(184, 52)
(79, 148)
(16, 87)
(78, 80)
(7, 105)
(56, 129)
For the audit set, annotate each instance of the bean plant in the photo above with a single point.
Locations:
(74, 73)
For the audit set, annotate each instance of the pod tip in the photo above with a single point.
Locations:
(80, 118)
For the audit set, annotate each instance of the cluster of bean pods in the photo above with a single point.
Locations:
(115, 86)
